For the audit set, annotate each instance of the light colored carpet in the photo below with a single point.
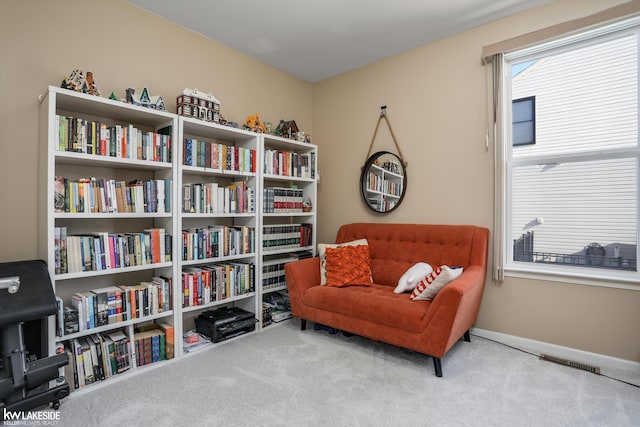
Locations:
(287, 377)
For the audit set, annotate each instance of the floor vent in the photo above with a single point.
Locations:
(571, 363)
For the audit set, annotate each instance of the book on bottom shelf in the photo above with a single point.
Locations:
(97, 357)
(153, 343)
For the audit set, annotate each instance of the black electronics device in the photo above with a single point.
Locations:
(225, 323)
(26, 369)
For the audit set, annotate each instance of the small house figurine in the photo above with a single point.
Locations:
(287, 129)
(144, 100)
(80, 82)
(200, 105)
(255, 124)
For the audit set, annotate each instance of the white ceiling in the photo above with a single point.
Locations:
(318, 39)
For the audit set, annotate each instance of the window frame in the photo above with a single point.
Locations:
(562, 273)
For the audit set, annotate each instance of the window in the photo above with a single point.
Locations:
(571, 156)
(524, 120)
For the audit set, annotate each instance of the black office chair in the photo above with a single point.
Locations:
(26, 300)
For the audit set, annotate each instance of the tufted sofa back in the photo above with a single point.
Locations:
(394, 248)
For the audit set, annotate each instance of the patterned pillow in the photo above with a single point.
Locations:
(348, 265)
(429, 287)
(322, 247)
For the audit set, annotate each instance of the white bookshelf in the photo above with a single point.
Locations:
(278, 156)
(76, 165)
(54, 162)
(221, 172)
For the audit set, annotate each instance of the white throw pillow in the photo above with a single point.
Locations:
(322, 254)
(412, 277)
(429, 287)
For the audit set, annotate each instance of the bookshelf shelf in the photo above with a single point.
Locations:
(83, 159)
(114, 326)
(250, 255)
(109, 272)
(201, 307)
(193, 159)
(114, 215)
(289, 214)
(218, 215)
(201, 170)
(275, 177)
(288, 250)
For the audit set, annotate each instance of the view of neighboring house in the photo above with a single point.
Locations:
(574, 190)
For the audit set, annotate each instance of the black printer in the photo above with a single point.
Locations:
(225, 323)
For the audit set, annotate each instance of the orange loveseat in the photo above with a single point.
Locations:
(376, 312)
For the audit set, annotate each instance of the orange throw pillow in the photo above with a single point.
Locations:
(348, 265)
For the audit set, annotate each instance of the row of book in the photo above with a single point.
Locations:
(122, 141)
(212, 197)
(213, 155)
(101, 195)
(287, 163)
(381, 185)
(216, 241)
(153, 343)
(113, 304)
(105, 251)
(285, 236)
(96, 357)
(273, 273)
(215, 282)
(282, 200)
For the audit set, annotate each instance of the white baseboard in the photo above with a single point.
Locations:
(539, 347)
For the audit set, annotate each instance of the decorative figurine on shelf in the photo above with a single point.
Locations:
(200, 105)
(307, 206)
(81, 82)
(255, 124)
(286, 129)
(144, 100)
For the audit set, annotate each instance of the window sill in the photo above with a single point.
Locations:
(599, 277)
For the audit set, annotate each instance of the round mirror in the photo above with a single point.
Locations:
(383, 182)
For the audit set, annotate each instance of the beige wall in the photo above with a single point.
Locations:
(436, 104)
(435, 98)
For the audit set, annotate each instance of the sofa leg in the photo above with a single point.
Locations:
(437, 364)
(303, 324)
(467, 336)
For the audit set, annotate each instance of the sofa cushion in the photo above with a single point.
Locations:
(376, 303)
(322, 248)
(414, 275)
(348, 265)
(429, 287)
